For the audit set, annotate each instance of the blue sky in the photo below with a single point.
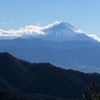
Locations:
(82, 14)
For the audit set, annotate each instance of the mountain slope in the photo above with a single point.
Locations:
(11, 70)
(64, 31)
(53, 81)
(42, 78)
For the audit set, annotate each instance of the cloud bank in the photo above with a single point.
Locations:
(28, 30)
(93, 36)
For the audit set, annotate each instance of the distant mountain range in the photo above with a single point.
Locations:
(79, 55)
(18, 76)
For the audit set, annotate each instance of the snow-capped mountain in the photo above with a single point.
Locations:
(62, 31)
(58, 31)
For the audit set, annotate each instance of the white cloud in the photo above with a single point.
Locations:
(8, 23)
(51, 25)
(38, 24)
(12, 22)
(94, 37)
(28, 30)
(78, 31)
(5, 23)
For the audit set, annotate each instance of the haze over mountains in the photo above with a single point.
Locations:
(59, 44)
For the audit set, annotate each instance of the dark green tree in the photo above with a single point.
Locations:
(1, 94)
(93, 92)
(12, 97)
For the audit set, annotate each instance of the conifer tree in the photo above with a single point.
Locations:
(1, 94)
(93, 92)
(12, 97)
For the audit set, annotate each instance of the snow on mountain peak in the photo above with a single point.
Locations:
(51, 25)
(78, 31)
(61, 29)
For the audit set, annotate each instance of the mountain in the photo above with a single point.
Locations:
(11, 70)
(63, 31)
(42, 78)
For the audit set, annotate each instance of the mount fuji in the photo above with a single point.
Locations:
(62, 31)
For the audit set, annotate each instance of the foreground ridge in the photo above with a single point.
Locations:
(23, 77)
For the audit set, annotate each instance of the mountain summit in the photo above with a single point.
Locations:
(62, 31)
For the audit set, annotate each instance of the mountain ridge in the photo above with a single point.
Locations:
(58, 82)
(78, 55)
